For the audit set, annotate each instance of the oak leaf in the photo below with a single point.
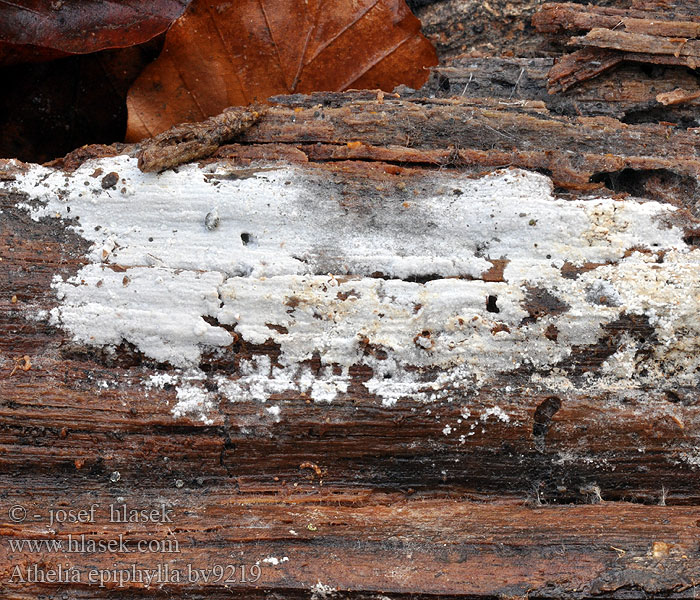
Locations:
(220, 54)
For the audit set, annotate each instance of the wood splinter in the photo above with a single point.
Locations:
(23, 362)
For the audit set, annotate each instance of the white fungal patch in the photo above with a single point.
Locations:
(258, 379)
(322, 591)
(275, 412)
(178, 263)
(160, 380)
(157, 309)
(194, 400)
(497, 412)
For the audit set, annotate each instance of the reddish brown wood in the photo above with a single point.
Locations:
(363, 545)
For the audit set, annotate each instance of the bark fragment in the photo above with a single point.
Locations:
(192, 141)
(639, 34)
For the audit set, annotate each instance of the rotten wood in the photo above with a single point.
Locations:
(573, 473)
(639, 34)
(476, 134)
(680, 50)
(559, 17)
(629, 94)
(580, 66)
(468, 133)
(497, 28)
(312, 543)
(677, 96)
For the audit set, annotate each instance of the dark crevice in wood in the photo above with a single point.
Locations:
(656, 184)
(585, 359)
(544, 413)
(540, 303)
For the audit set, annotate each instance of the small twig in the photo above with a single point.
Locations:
(620, 551)
(505, 135)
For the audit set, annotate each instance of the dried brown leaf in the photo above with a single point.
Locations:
(81, 27)
(221, 54)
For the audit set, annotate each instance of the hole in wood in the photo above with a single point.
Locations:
(248, 239)
(543, 419)
(491, 305)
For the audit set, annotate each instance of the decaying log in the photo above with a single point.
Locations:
(309, 543)
(472, 134)
(359, 352)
